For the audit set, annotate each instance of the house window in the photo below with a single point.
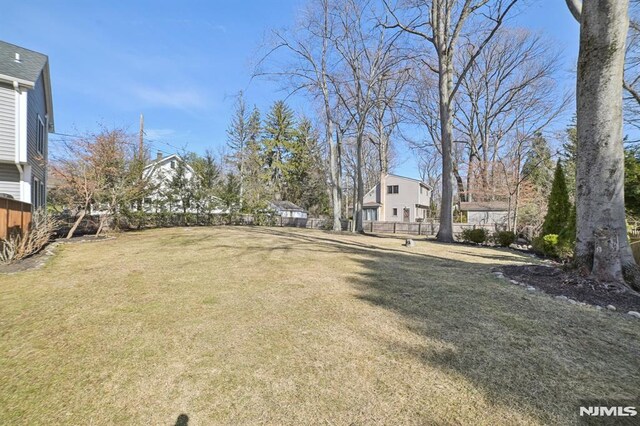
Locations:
(35, 189)
(173, 164)
(395, 212)
(392, 189)
(370, 214)
(42, 194)
(40, 136)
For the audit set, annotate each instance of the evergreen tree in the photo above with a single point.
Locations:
(559, 208)
(238, 135)
(278, 138)
(569, 154)
(181, 186)
(229, 195)
(255, 194)
(538, 166)
(305, 177)
(207, 180)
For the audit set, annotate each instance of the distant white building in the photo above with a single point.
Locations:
(486, 213)
(160, 173)
(288, 209)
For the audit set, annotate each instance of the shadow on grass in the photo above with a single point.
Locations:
(182, 420)
(524, 351)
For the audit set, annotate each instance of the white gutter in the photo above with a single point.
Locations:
(20, 124)
(12, 80)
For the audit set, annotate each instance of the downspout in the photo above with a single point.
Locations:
(18, 136)
(21, 171)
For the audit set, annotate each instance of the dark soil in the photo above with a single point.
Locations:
(30, 262)
(558, 282)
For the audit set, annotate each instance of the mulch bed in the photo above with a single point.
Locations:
(37, 260)
(559, 282)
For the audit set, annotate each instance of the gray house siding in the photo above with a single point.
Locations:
(7, 123)
(36, 107)
(410, 195)
(10, 180)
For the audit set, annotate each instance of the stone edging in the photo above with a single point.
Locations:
(530, 288)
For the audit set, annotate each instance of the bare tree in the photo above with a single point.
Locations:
(602, 245)
(311, 46)
(238, 135)
(371, 59)
(442, 23)
(508, 96)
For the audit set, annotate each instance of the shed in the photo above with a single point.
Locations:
(287, 209)
(486, 212)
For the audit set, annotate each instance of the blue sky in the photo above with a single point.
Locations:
(182, 63)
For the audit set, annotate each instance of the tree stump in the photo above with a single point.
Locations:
(607, 266)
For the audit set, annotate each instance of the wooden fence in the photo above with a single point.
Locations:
(417, 228)
(15, 217)
(312, 223)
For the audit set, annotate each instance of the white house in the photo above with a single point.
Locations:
(397, 199)
(287, 209)
(486, 213)
(26, 118)
(160, 174)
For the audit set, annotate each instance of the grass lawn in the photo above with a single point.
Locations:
(284, 326)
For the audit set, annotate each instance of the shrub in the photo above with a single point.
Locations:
(554, 246)
(559, 210)
(504, 238)
(478, 235)
(19, 246)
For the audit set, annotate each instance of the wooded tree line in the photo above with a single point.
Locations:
(278, 158)
(473, 95)
(111, 173)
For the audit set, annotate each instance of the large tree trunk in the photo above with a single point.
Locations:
(445, 231)
(600, 162)
(334, 174)
(360, 183)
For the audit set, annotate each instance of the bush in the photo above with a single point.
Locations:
(478, 235)
(19, 246)
(554, 246)
(504, 238)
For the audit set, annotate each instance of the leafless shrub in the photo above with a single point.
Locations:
(19, 246)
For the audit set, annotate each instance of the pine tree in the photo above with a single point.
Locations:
(305, 176)
(559, 208)
(538, 166)
(278, 139)
(238, 135)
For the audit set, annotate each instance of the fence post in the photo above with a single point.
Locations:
(420, 228)
(372, 227)
(394, 227)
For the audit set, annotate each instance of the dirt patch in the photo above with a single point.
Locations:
(558, 282)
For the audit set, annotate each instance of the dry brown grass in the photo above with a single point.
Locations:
(278, 326)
